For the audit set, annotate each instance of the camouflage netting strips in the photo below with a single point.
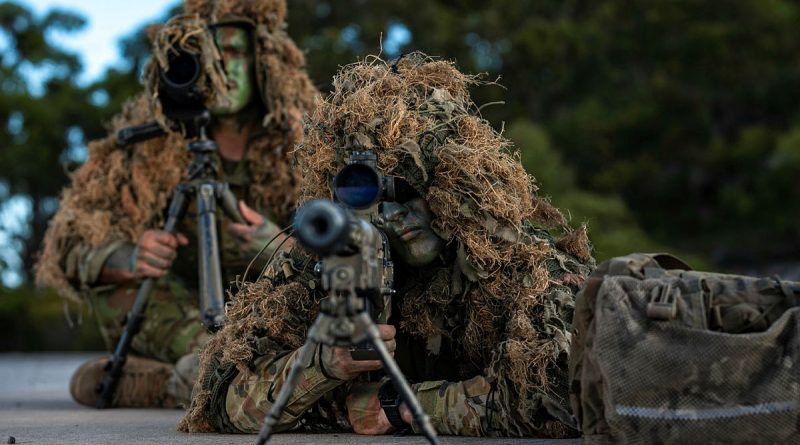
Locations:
(119, 193)
(187, 33)
(418, 116)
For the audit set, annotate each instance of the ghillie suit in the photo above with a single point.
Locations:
(484, 332)
(119, 193)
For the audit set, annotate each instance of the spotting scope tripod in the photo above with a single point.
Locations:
(202, 183)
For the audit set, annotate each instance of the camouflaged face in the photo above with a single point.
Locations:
(119, 193)
(501, 298)
(189, 34)
(285, 89)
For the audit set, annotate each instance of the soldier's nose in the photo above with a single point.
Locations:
(393, 211)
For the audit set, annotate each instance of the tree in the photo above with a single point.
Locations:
(685, 109)
(41, 124)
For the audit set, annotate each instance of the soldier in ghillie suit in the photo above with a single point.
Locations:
(480, 321)
(105, 236)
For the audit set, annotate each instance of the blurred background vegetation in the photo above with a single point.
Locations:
(666, 126)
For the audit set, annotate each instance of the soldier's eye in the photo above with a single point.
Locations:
(403, 191)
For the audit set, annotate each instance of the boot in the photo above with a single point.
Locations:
(142, 384)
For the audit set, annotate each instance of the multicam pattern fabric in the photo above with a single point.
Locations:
(483, 332)
(662, 354)
(462, 398)
(119, 193)
(171, 328)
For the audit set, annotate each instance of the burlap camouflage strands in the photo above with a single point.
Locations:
(188, 33)
(417, 115)
(117, 194)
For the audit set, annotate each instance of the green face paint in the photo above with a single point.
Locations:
(408, 227)
(236, 46)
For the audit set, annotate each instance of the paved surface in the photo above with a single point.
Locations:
(35, 408)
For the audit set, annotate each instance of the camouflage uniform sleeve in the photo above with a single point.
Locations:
(251, 393)
(83, 264)
(454, 408)
(482, 406)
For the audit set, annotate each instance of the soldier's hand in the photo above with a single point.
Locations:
(258, 231)
(364, 410)
(338, 363)
(155, 252)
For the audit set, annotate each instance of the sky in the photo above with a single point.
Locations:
(108, 21)
(97, 46)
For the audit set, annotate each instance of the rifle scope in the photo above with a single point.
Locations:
(323, 227)
(359, 185)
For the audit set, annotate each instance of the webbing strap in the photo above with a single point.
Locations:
(791, 289)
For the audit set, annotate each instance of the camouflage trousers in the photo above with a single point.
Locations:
(171, 331)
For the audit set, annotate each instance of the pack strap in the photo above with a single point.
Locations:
(642, 265)
(791, 289)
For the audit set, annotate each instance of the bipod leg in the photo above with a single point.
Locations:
(274, 414)
(135, 317)
(390, 366)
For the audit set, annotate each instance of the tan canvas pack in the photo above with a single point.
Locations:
(665, 355)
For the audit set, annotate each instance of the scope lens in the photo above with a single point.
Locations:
(183, 70)
(357, 186)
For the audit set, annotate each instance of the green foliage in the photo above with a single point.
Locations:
(666, 126)
(35, 321)
(613, 227)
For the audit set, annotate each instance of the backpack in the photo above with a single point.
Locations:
(662, 354)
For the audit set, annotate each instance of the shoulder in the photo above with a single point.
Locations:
(295, 266)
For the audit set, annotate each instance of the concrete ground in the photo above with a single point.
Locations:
(35, 408)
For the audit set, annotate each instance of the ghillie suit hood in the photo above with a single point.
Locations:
(119, 193)
(418, 117)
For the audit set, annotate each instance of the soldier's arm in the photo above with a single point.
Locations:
(86, 266)
(119, 261)
(454, 408)
(483, 407)
(242, 398)
(492, 404)
(250, 394)
(258, 232)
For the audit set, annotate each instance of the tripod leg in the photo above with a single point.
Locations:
(113, 369)
(212, 297)
(274, 414)
(400, 383)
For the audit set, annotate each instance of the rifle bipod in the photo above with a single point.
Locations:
(329, 329)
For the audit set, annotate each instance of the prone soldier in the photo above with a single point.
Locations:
(485, 273)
